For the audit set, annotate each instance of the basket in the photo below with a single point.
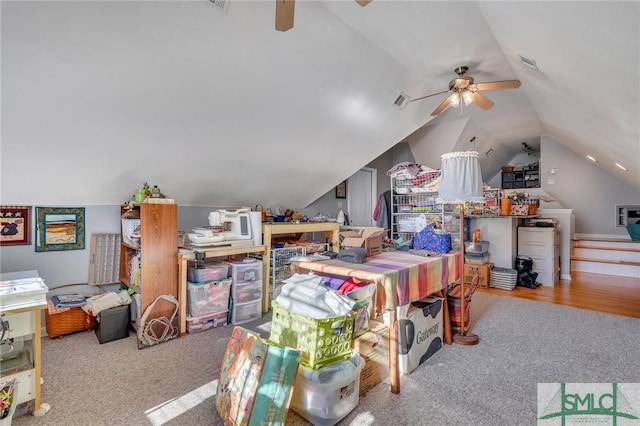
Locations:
(322, 342)
(62, 322)
(455, 305)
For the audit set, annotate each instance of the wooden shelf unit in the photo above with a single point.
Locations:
(158, 267)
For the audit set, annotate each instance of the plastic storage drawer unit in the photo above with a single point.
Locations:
(112, 324)
(205, 322)
(247, 292)
(208, 298)
(246, 270)
(245, 312)
(208, 272)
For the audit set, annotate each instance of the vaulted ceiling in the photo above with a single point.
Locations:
(220, 109)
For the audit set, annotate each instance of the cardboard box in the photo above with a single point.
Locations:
(370, 239)
(484, 270)
(373, 347)
(419, 332)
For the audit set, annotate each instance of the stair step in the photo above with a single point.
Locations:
(606, 266)
(600, 260)
(607, 253)
(608, 244)
(611, 256)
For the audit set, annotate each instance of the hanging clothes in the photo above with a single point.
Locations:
(376, 211)
(384, 211)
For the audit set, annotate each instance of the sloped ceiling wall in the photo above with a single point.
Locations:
(221, 109)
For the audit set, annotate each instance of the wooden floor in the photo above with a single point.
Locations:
(595, 292)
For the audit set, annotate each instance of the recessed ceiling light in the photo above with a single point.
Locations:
(591, 158)
(528, 62)
(620, 166)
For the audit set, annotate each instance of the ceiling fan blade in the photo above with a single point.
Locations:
(428, 96)
(498, 85)
(284, 14)
(363, 3)
(443, 105)
(481, 101)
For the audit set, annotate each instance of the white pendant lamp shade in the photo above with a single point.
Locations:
(461, 178)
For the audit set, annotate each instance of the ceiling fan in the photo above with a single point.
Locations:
(285, 9)
(464, 89)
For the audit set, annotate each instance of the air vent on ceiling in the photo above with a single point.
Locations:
(528, 62)
(223, 5)
(402, 100)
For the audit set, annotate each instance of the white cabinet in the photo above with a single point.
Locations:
(543, 246)
(22, 299)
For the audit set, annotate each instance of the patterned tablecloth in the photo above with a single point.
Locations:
(404, 277)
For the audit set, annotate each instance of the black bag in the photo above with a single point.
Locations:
(526, 276)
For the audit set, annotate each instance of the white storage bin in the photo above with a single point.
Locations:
(245, 312)
(322, 402)
(131, 232)
(245, 271)
(208, 272)
(205, 322)
(247, 292)
(208, 298)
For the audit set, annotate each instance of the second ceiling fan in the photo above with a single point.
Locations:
(285, 11)
(464, 89)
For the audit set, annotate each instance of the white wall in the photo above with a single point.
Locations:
(580, 185)
(591, 192)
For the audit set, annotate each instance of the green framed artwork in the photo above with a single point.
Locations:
(59, 228)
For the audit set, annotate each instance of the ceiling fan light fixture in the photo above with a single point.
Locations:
(467, 97)
(454, 100)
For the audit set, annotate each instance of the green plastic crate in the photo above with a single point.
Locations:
(322, 342)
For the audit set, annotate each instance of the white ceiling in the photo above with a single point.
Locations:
(219, 109)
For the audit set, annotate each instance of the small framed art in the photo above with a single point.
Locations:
(15, 223)
(341, 190)
(59, 228)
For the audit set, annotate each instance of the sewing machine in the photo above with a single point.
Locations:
(238, 235)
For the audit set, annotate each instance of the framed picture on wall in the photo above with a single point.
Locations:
(59, 228)
(15, 223)
(341, 190)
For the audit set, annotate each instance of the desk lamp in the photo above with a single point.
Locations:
(461, 183)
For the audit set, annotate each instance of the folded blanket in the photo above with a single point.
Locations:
(353, 255)
(333, 282)
(100, 302)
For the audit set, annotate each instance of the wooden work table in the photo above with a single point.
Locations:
(400, 278)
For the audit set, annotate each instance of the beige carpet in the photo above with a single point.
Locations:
(522, 343)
